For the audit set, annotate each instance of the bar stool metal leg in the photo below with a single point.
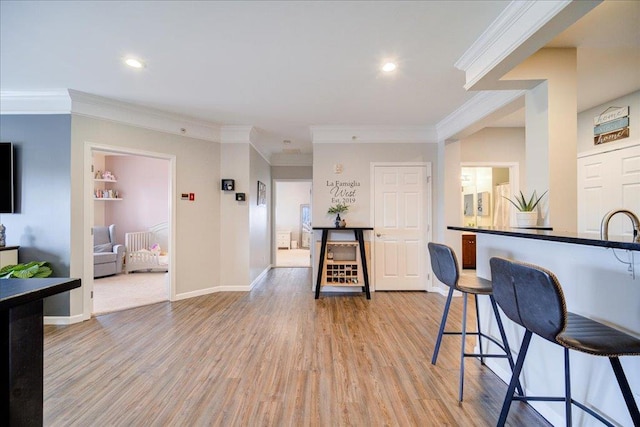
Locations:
(443, 323)
(480, 336)
(567, 388)
(505, 343)
(464, 341)
(514, 378)
(626, 390)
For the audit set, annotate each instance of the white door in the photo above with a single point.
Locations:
(401, 206)
(608, 181)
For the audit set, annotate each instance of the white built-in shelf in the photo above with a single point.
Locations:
(105, 180)
(107, 199)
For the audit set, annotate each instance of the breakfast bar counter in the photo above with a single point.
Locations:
(600, 280)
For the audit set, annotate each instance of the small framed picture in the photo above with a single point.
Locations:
(262, 194)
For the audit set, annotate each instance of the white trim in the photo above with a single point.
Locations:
(69, 101)
(41, 102)
(198, 293)
(87, 279)
(236, 134)
(274, 222)
(607, 148)
(260, 277)
(64, 320)
(521, 29)
(477, 108)
(373, 134)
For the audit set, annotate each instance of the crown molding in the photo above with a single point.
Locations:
(69, 101)
(39, 102)
(373, 134)
(236, 134)
(477, 108)
(520, 30)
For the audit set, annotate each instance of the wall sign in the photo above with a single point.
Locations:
(611, 125)
(344, 192)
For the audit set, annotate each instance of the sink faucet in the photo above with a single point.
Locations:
(604, 226)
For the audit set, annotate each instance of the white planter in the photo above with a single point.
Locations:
(527, 219)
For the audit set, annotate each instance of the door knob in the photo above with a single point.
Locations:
(378, 235)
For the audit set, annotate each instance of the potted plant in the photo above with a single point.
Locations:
(338, 209)
(527, 215)
(25, 271)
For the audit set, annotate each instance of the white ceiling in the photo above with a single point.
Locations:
(285, 66)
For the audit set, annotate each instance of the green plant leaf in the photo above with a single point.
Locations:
(39, 269)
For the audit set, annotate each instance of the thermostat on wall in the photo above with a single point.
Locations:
(241, 197)
(228, 184)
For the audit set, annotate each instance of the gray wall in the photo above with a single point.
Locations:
(42, 222)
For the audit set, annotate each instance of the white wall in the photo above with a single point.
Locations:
(289, 197)
(259, 216)
(197, 263)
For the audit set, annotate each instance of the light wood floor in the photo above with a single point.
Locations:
(270, 357)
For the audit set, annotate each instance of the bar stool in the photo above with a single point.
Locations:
(532, 297)
(445, 267)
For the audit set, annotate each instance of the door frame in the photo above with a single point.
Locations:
(87, 278)
(274, 201)
(428, 213)
(514, 181)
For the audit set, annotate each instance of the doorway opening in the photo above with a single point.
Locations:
(292, 224)
(484, 189)
(130, 196)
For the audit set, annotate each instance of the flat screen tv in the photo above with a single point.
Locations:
(7, 188)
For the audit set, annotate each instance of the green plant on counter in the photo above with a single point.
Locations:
(338, 209)
(523, 205)
(32, 269)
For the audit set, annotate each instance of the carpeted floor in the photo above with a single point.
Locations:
(123, 291)
(293, 258)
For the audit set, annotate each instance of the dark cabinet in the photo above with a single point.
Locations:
(468, 251)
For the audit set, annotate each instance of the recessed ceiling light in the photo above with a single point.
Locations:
(133, 62)
(388, 67)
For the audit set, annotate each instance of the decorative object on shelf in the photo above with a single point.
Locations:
(228, 184)
(106, 176)
(262, 194)
(526, 216)
(3, 236)
(338, 209)
(33, 269)
(241, 197)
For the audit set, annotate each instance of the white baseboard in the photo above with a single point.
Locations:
(63, 320)
(198, 293)
(222, 288)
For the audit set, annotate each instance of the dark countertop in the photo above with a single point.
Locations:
(342, 228)
(14, 292)
(616, 242)
(8, 248)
